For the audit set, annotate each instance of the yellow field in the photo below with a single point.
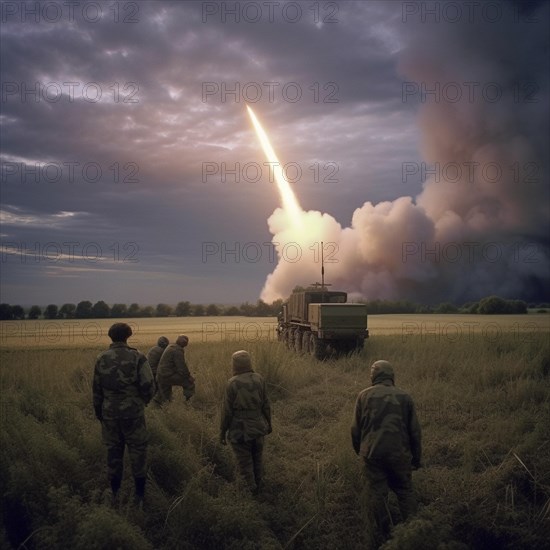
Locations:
(92, 333)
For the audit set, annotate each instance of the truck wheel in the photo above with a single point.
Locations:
(287, 337)
(298, 341)
(316, 347)
(360, 344)
(306, 341)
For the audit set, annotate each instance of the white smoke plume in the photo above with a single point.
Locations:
(459, 239)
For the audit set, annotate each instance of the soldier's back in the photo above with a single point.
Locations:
(153, 356)
(117, 373)
(386, 412)
(246, 391)
(167, 365)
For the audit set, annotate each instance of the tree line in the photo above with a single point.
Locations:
(101, 310)
(491, 305)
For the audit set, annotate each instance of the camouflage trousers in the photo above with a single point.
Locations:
(164, 388)
(249, 461)
(119, 433)
(393, 473)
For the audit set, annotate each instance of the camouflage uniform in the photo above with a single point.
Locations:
(386, 434)
(173, 371)
(155, 353)
(246, 417)
(122, 386)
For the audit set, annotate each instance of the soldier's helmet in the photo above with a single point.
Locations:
(381, 370)
(182, 340)
(241, 362)
(163, 342)
(120, 332)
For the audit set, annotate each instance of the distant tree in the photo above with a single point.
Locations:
(262, 309)
(494, 305)
(147, 311)
(404, 306)
(183, 309)
(232, 311)
(198, 310)
(516, 306)
(491, 305)
(67, 311)
(212, 310)
(386, 306)
(163, 310)
(6, 313)
(119, 311)
(248, 310)
(465, 308)
(83, 310)
(134, 310)
(101, 310)
(446, 307)
(34, 312)
(51, 312)
(18, 312)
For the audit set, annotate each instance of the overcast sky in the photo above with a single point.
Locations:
(118, 121)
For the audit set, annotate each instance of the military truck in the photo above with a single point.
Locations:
(320, 322)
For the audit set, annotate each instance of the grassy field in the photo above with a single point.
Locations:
(483, 399)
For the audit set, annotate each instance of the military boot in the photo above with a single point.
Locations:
(140, 492)
(115, 486)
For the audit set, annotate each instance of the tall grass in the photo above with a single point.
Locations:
(484, 407)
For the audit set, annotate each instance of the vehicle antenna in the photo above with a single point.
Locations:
(322, 266)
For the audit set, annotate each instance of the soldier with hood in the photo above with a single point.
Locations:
(385, 432)
(122, 386)
(173, 371)
(246, 418)
(155, 353)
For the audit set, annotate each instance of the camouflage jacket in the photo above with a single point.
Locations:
(153, 356)
(172, 365)
(246, 411)
(123, 383)
(385, 423)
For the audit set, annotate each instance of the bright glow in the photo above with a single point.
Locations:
(290, 202)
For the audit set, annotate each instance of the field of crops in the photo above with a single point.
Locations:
(482, 389)
(91, 333)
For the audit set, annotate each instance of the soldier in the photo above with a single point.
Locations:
(173, 371)
(122, 386)
(246, 418)
(155, 353)
(386, 434)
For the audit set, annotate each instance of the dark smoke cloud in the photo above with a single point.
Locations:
(480, 224)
